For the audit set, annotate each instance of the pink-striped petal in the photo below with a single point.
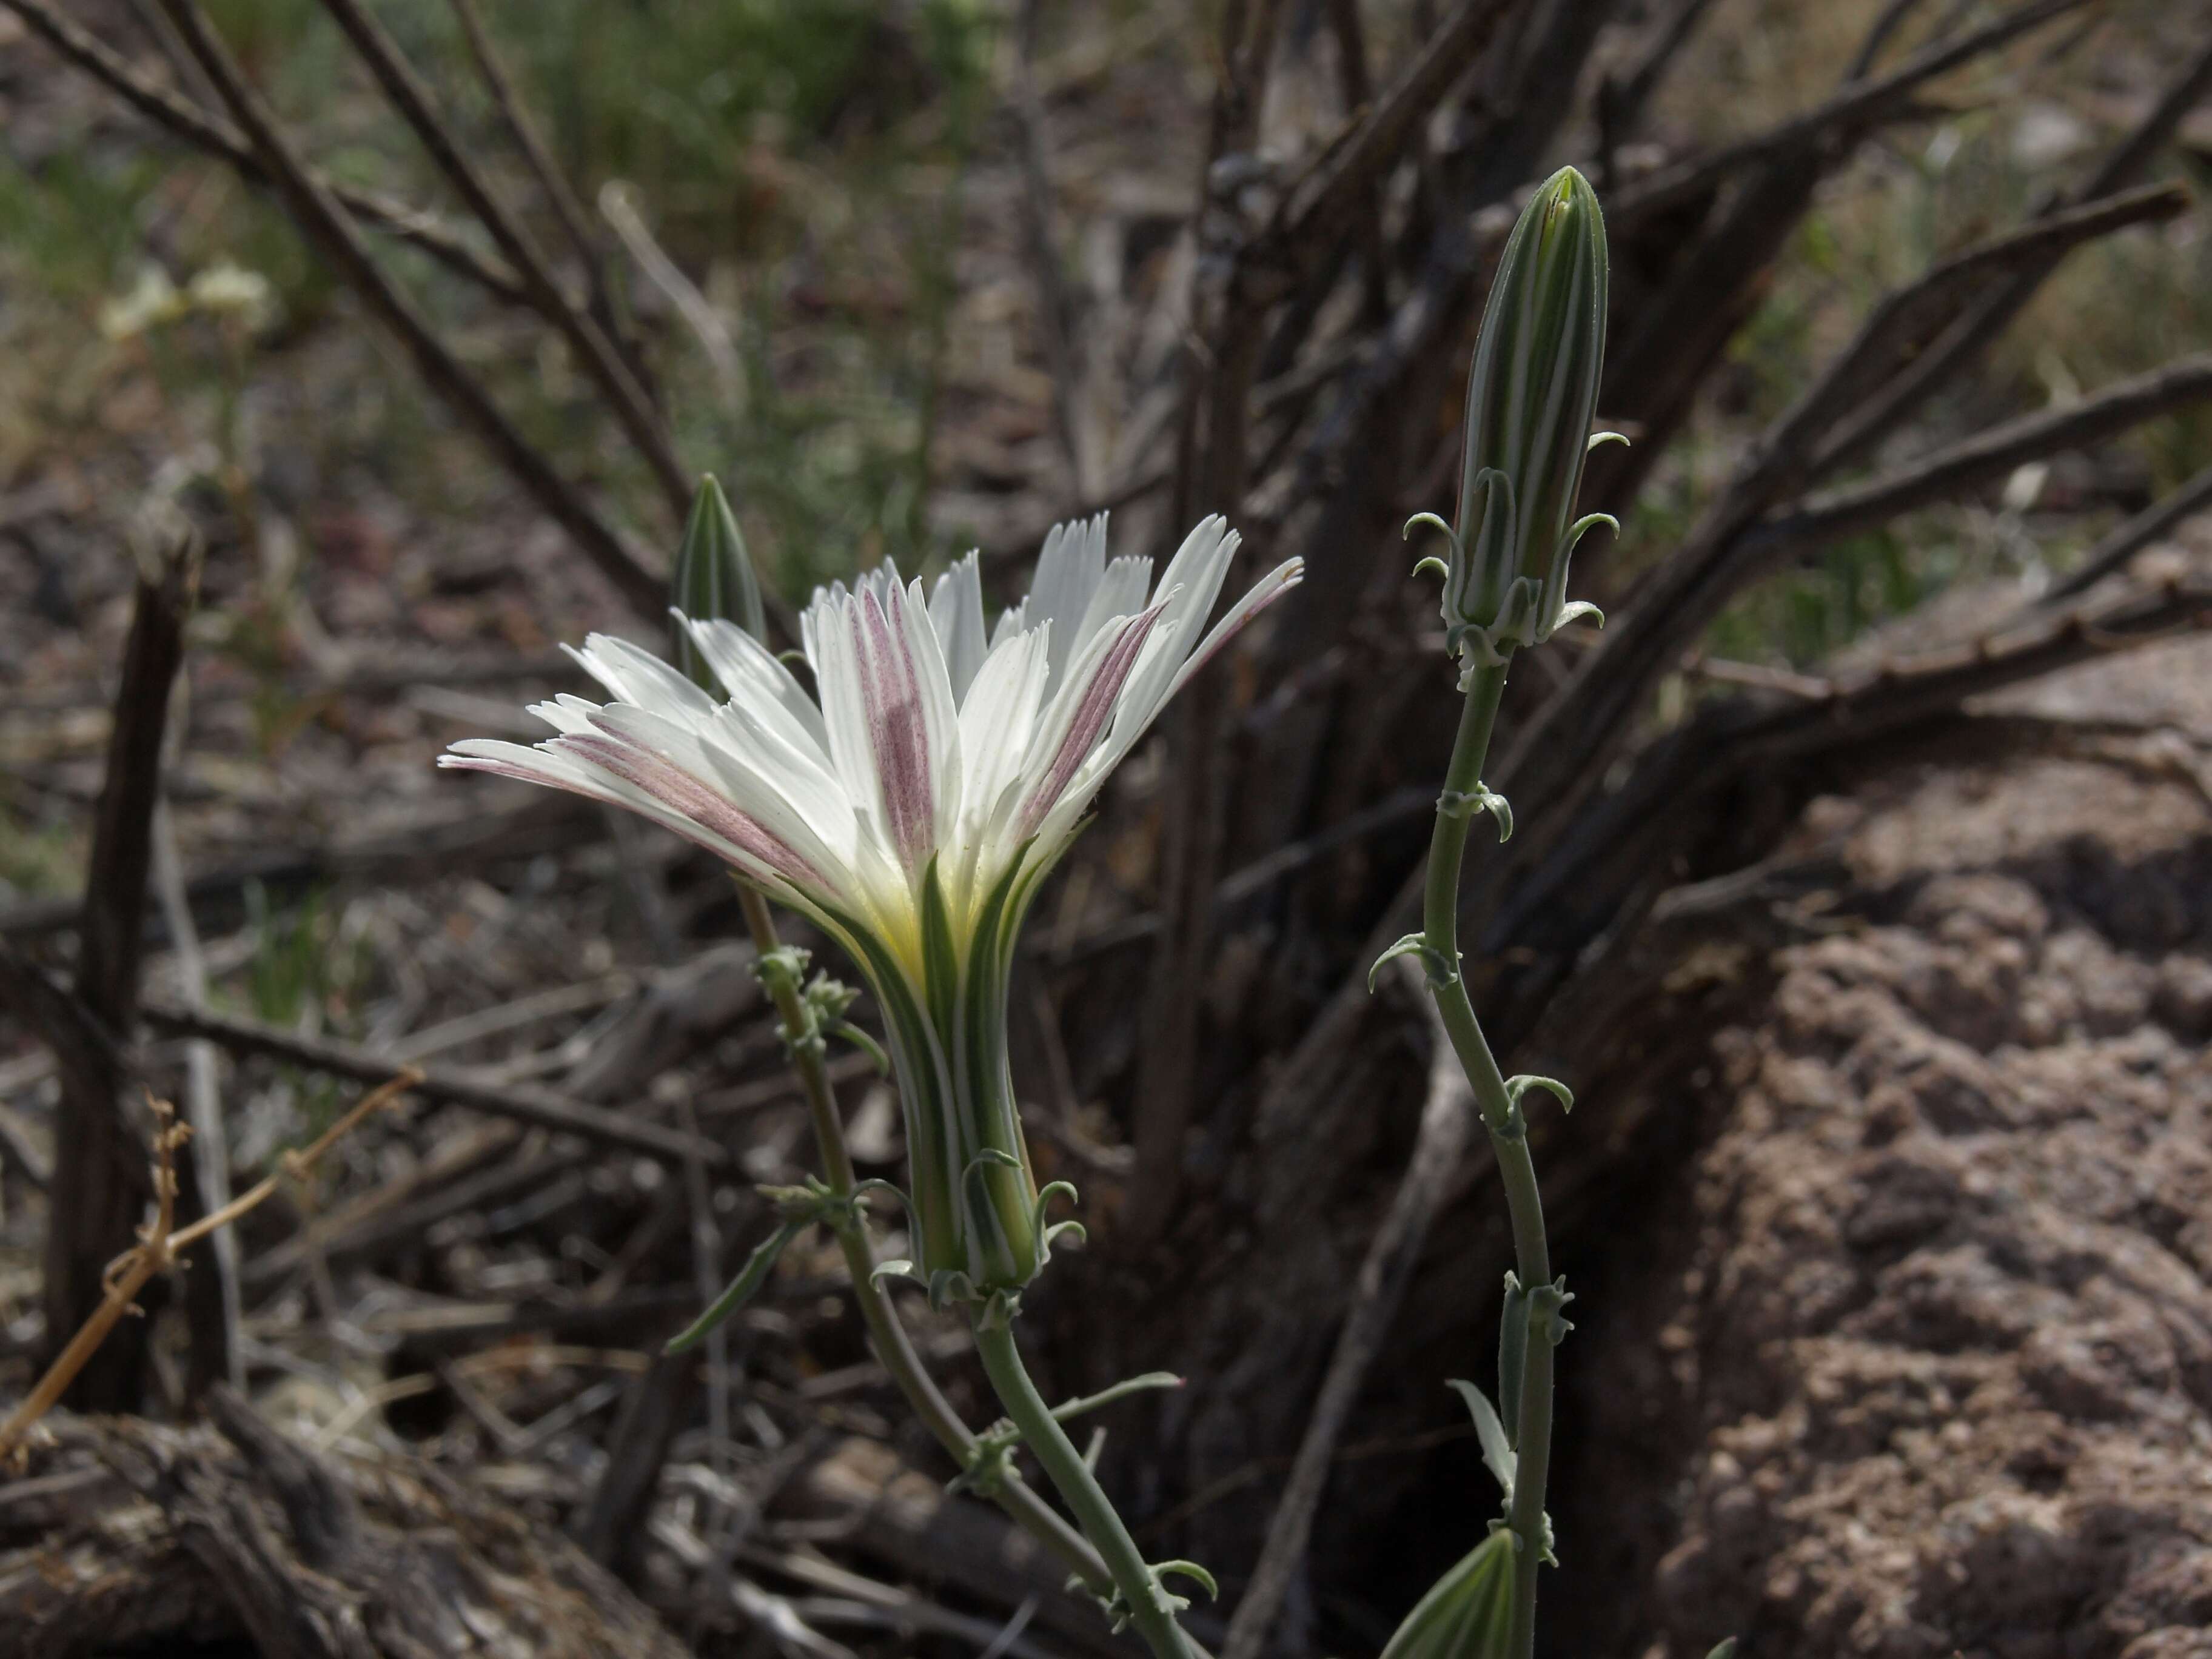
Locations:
(690, 800)
(1081, 713)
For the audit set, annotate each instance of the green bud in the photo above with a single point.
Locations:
(1468, 1613)
(714, 579)
(1530, 399)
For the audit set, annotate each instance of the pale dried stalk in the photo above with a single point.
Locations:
(158, 1245)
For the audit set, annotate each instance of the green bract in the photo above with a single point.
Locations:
(1468, 1613)
(1530, 399)
(715, 578)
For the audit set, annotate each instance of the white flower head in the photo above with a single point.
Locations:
(910, 806)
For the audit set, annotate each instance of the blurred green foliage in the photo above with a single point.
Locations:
(806, 159)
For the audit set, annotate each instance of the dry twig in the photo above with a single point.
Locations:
(161, 1242)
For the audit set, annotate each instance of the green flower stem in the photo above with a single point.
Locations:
(1508, 1138)
(1041, 1429)
(893, 1346)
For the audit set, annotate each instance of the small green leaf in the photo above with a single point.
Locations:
(1516, 1087)
(867, 1044)
(1440, 971)
(1725, 1650)
(1192, 1570)
(1060, 1230)
(1497, 1454)
(878, 1185)
(743, 1288)
(1069, 1410)
(1468, 1613)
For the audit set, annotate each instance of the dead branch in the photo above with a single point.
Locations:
(2126, 540)
(1972, 334)
(98, 1188)
(328, 223)
(1988, 455)
(523, 1103)
(1447, 1123)
(183, 119)
(1854, 105)
(576, 223)
(1325, 203)
(1900, 328)
(625, 398)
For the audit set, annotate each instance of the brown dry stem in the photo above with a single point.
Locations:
(160, 1242)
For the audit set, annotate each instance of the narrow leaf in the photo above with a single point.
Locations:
(1497, 1454)
(743, 1288)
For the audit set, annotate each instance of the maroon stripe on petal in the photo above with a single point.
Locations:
(1092, 711)
(686, 796)
(898, 735)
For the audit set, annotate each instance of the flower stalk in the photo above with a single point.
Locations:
(1499, 1102)
(1140, 1599)
(909, 804)
(893, 1348)
(714, 580)
(1531, 399)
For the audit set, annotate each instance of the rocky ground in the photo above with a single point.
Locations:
(1937, 1336)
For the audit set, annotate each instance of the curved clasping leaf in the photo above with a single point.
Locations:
(867, 1044)
(1440, 969)
(1519, 1085)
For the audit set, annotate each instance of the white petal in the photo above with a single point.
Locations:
(1070, 566)
(750, 671)
(578, 775)
(1121, 592)
(1192, 579)
(1160, 654)
(894, 733)
(803, 809)
(635, 676)
(1265, 592)
(995, 727)
(956, 611)
(1160, 672)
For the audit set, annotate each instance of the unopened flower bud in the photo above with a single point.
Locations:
(1468, 1613)
(1531, 398)
(714, 580)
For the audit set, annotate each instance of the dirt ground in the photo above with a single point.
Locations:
(1932, 1347)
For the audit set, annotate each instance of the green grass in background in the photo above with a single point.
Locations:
(803, 162)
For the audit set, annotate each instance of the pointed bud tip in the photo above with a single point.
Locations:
(715, 577)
